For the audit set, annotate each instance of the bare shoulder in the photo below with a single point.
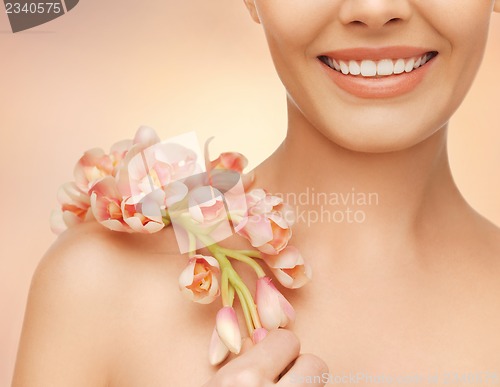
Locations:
(80, 295)
(92, 260)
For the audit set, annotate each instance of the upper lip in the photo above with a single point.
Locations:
(377, 53)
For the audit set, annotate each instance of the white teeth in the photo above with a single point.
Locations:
(384, 67)
(368, 68)
(417, 63)
(399, 67)
(409, 65)
(354, 68)
(344, 68)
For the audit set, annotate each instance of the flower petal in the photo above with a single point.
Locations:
(217, 351)
(228, 329)
(146, 136)
(268, 304)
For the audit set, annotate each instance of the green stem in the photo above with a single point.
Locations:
(226, 300)
(246, 312)
(231, 294)
(234, 278)
(250, 253)
(243, 258)
(192, 244)
(239, 285)
(213, 247)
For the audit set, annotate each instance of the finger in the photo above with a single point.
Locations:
(307, 370)
(273, 354)
(246, 345)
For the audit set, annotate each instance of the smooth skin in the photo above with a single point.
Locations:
(104, 309)
(411, 291)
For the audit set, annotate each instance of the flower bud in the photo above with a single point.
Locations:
(198, 281)
(259, 334)
(274, 309)
(217, 351)
(289, 267)
(228, 329)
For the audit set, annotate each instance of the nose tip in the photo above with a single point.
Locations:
(374, 14)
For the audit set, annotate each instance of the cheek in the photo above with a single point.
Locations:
(294, 23)
(465, 31)
(290, 26)
(465, 26)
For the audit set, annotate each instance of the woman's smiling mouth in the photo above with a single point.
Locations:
(372, 68)
(378, 72)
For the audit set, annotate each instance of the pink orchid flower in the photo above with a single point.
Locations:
(231, 185)
(142, 172)
(118, 152)
(206, 206)
(268, 224)
(289, 267)
(106, 201)
(182, 160)
(208, 212)
(147, 215)
(175, 192)
(133, 169)
(228, 329)
(74, 209)
(92, 166)
(269, 233)
(274, 309)
(199, 280)
(257, 195)
(204, 212)
(231, 161)
(95, 164)
(145, 137)
(261, 202)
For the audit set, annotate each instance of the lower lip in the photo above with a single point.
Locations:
(384, 87)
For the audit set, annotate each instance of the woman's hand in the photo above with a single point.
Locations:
(269, 364)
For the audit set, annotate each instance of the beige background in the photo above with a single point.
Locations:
(95, 75)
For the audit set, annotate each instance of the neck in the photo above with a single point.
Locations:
(375, 203)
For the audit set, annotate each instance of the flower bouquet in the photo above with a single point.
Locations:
(144, 185)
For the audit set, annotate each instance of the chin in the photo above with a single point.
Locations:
(378, 141)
